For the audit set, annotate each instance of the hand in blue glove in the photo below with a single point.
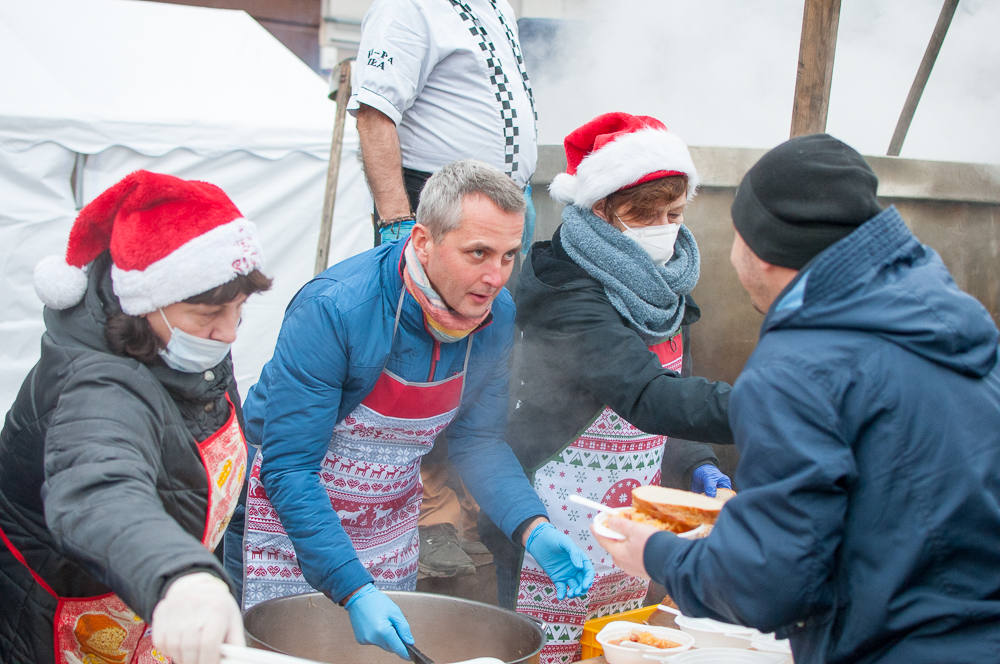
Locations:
(707, 478)
(377, 621)
(395, 232)
(568, 567)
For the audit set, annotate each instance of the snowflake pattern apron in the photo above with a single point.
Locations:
(103, 629)
(371, 472)
(604, 464)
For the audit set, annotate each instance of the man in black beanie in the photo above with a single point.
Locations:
(867, 524)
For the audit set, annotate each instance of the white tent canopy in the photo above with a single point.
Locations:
(113, 86)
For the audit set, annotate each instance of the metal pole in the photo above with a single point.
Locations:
(333, 170)
(817, 46)
(924, 73)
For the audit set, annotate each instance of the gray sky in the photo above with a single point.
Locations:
(722, 72)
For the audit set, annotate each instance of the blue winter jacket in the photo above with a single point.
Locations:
(867, 526)
(333, 345)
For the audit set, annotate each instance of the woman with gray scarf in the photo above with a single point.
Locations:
(600, 384)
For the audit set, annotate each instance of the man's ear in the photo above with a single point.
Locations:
(422, 240)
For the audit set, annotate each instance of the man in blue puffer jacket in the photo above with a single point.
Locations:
(376, 356)
(867, 527)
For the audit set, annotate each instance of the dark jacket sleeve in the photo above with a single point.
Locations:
(598, 353)
(102, 460)
(787, 521)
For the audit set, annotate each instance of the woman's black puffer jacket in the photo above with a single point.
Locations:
(578, 355)
(101, 484)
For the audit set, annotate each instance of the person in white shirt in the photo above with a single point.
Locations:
(437, 81)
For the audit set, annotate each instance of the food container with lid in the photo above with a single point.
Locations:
(633, 654)
(710, 633)
(724, 656)
(770, 643)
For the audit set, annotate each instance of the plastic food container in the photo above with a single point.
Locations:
(769, 643)
(618, 654)
(588, 642)
(710, 633)
(724, 656)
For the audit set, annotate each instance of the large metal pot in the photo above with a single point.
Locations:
(446, 629)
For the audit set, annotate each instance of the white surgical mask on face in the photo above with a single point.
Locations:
(656, 241)
(190, 354)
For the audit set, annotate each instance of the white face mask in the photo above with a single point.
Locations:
(190, 354)
(656, 241)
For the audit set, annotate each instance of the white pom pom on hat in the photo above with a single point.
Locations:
(169, 239)
(616, 151)
(58, 284)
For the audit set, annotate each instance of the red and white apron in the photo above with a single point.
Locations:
(609, 459)
(371, 472)
(103, 629)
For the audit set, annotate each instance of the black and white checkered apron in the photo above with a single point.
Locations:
(501, 85)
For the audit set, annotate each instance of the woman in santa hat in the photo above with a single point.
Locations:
(604, 310)
(123, 457)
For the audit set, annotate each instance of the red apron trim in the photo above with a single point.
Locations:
(394, 397)
(224, 456)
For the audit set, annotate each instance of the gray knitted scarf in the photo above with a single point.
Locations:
(651, 298)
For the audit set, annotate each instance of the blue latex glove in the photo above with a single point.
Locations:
(568, 567)
(529, 222)
(706, 478)
(395, 232)
(377, 621)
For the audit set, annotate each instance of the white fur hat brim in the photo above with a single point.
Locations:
(622, 162)
(211, 259)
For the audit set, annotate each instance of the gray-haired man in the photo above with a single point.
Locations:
(376, 356)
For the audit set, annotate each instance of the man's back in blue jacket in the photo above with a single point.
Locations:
(867, 527)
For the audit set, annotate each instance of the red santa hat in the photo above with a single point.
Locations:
(616, 151)
(169, 238)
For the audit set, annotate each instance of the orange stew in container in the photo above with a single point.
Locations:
(647, 639)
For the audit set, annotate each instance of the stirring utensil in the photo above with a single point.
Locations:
(416, 656)
(669, 609)
(593, 504)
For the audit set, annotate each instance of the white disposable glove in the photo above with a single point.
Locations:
(195, 617)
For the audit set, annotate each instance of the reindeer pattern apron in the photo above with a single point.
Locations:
(371, 473)
(609, 459)
(103, 629)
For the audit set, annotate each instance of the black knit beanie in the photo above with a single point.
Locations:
(803, 196)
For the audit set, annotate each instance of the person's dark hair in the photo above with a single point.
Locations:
(132, 336)
(645, 201)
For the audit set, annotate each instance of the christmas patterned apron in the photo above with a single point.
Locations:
(371, 472)
(103, 629)
(609, 459)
